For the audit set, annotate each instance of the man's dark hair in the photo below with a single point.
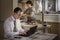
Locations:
(17, 9)
(29, 2)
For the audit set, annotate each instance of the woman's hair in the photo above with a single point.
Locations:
(29, 2)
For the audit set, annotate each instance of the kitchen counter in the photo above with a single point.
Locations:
(26, 26)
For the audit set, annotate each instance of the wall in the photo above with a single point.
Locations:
(59, 17)
(0, 10)
(15, 3)
(51, 17)
(48, 17)
(6, 9)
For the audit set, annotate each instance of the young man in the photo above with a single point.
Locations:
(12, 25)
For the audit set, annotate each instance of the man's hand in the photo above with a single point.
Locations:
(26, 29)
(22, 33)
(23, 14)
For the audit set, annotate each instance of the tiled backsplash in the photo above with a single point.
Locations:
(49, 17)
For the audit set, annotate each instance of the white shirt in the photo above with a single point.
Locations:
(9, 26)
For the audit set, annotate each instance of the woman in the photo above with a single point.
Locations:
(29, 13)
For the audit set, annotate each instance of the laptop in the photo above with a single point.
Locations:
(30, 32)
